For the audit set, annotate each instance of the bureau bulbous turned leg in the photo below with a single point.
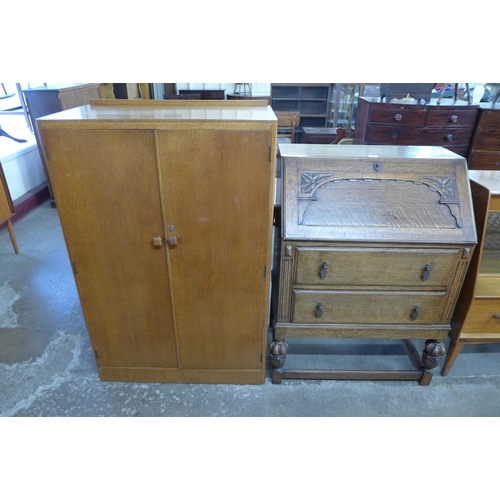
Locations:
(278, 351)
(434, 350)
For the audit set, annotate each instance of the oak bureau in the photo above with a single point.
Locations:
(376, 241)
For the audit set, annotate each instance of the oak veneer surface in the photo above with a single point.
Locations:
(167, 214)
(376, 241)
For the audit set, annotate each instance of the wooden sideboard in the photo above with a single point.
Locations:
(449, 124)
(167, 210)
(375, 243)
(42, 101)
(484, 150)
(477, 316)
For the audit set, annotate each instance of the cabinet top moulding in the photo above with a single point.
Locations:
(152, 113)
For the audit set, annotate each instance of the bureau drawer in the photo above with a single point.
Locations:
(484, 161)
(357, 307)
(451, 117)
(480, 317)
(412, 136)
(384, 267)
(401, 117)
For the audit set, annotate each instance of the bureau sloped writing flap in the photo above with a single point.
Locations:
(377, 203)
(377, 198)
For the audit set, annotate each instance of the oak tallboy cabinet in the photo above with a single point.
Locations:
(166, 209)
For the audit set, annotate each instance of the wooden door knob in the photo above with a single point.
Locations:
(157, 242)
(172, 241)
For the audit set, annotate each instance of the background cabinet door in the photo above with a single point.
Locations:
(216, 185)
(106, 186)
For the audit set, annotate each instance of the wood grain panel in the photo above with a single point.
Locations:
(480, 316)
(216, 187)
(109, 206)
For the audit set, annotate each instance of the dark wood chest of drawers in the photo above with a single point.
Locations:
(484, 150)
(375, 244)
(449, 124)
(206, 94)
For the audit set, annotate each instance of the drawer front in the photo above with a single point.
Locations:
(480, 317)
(383, 267)
(400, 117)
(490, 118)
(488, 139)
(212, 94)
(484, 161)
(452, 117)
(358, 307)
(410, 136)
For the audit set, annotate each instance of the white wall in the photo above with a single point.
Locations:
(23, 170)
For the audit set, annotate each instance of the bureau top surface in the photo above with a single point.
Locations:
(367, 151)
(152, 112)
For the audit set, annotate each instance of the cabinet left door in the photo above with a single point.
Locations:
(106, 187)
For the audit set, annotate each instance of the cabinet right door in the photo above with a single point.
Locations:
(216, 189)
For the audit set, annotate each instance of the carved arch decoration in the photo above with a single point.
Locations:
(443, 185)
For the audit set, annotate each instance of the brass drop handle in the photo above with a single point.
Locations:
(319, 310)
(427, 272)
(172, 241)
(415, 310)
(448, 137)
(157, 242)
(496, 315)
(453, 118)
(324, 270)
(398, 117)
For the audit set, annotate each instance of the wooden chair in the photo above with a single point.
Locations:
(288, 121)
(343, 136)
(7, 208)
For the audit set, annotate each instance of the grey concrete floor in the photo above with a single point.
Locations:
(47, 366)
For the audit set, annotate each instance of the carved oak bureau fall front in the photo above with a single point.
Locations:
(376, 241)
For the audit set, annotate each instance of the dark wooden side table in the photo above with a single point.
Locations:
(206, 94)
